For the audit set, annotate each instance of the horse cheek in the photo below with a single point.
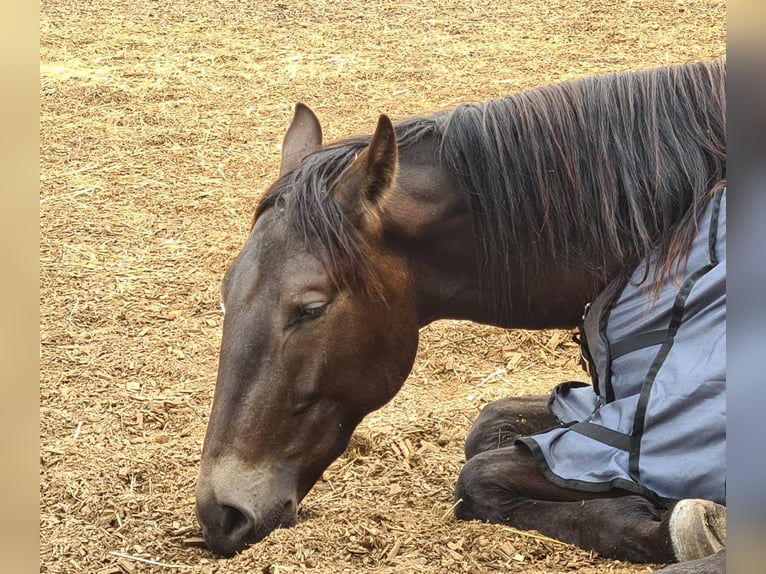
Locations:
(398, 347)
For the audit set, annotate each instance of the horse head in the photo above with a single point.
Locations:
(306, 352)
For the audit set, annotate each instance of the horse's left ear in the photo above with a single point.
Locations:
(303, 136)
(363, 186)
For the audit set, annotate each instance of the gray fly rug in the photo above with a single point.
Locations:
(654, 420)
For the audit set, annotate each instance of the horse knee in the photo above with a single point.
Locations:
(477, 491)
(501, 422)
(489, 431)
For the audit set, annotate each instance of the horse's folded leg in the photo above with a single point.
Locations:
(697, 529)
(617, 528)
(505, 486)
(501, 422)
(713, 564)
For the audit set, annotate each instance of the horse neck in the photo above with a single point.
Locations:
(428, 220)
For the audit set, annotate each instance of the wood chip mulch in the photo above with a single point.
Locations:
(160, 125)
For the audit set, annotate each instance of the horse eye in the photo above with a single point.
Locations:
(311, 311)
(303, 405)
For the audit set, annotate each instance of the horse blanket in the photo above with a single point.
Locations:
(654, 420)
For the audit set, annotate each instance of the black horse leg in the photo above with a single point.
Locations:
(502, 483)
(505, 486)
(501, 422)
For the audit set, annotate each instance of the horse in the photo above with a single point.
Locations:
(515, 213)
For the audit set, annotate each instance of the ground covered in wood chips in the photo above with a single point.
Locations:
(160, 126)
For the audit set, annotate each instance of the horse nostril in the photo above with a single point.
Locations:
(227, 529)
(234, 523)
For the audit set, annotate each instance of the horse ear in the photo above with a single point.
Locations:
(362, 187)
(303, 135)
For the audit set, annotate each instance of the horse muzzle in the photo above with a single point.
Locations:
(229, 527)
(237, 507)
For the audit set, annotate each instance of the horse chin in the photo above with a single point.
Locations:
(277, 518)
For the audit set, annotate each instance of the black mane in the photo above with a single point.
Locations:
(593, 174)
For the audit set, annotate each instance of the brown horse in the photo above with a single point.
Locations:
(513, 213)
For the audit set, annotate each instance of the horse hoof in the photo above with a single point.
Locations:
(697, 529)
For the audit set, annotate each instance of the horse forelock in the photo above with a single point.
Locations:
(319, 222)
(304, 195)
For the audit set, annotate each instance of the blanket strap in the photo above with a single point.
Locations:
(603, 434)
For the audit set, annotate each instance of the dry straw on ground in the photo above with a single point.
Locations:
(160, 125)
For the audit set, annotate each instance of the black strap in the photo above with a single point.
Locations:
(603, 434)
(713, 238)
(636, 342)
(586, 360)
(608, 390)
